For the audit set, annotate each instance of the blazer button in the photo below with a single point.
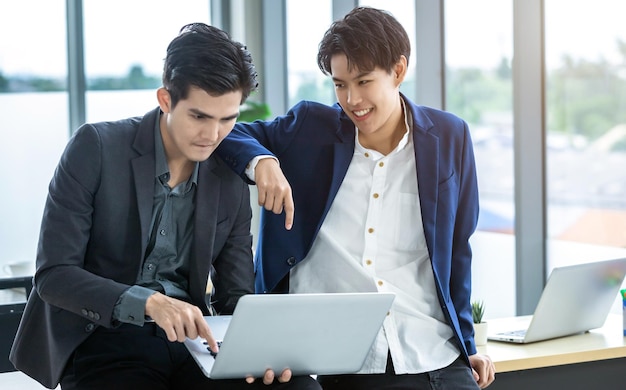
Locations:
(291, 261)
(96, 316)
(90, 327)
(85, 312)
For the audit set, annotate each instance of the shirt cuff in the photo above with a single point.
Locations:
(131, 306)
(252, 165)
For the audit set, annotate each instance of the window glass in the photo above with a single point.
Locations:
(586, 130)
(33, 122)
(124, 51)
(306, 24)
(478, 56)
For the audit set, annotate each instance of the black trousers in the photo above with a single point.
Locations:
(137, 358)
(456, 376)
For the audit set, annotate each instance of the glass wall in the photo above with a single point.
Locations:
(33, 122)
(586, 130)
(478, 55)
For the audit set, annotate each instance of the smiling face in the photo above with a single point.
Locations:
(194, 128)
(372, 101)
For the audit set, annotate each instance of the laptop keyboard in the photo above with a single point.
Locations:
(516, 333)
(214, 354)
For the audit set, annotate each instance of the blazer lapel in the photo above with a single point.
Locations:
(426, 147)
(143, 172)
(205, 221)
(343, 150)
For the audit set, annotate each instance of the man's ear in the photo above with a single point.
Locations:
(400, 69)
(165, 100)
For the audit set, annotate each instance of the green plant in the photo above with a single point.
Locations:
(478, 310)
(251, 111)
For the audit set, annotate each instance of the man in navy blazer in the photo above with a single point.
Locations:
(142, 221)
(386, 199)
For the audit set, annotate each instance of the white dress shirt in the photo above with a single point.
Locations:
(373, 240)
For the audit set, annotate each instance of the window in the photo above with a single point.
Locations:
(586, 130)
(306, 25)
(478, 53)
(123, 61)
(33, 123)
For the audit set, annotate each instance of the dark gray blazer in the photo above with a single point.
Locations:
(94, 235)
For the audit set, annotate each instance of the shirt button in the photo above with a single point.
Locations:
(381, 164)
(162, 232)
(370, 230)
(150, 267)
(367, 154)
(368, 262)
(375, 196)
(380, 282)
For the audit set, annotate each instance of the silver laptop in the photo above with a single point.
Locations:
(307, 333)
(576, 298)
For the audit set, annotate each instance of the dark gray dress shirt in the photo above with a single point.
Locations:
(166, 266)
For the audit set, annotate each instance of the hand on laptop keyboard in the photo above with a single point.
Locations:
(214, 354)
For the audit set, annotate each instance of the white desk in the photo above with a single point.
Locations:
(553, 364)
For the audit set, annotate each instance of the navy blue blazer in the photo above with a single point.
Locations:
(94, 235)
(315, 144)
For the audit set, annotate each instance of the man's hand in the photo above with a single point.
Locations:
(483, 369)
(179, 319)
(268, 378)
(274, 189)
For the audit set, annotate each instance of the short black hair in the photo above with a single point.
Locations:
(369, 38)
(206, 57)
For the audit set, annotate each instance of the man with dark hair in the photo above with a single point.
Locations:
(140, 221)
(386, 199)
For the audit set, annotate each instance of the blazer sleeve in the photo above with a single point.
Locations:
(248, 140)
(61, 278)
(465, 225)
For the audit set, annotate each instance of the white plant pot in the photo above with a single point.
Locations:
(480, 333)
